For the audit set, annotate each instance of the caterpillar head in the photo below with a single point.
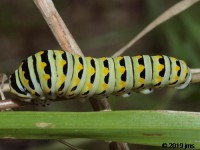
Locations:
(16, 87)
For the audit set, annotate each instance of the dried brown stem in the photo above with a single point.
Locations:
(171, 12)
(195, 75)
(6, 88)
(118, 146)
(57, 26)
(100, 104)
(10, 103)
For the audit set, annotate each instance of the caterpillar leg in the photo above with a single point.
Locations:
(126, 94)
(82, 99)
(146, 91)
(123, 94)
(44, 103)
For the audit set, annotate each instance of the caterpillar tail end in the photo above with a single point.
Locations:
(184, 85)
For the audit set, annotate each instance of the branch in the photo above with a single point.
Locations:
(171, 12)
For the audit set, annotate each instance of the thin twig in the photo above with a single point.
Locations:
(119, 146)
(11, 103)
(68, 144)
(171, 12)
(6, 87)
(195, 75)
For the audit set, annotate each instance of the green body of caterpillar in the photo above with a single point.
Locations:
(56, 73)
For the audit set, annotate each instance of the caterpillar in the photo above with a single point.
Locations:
(53, 74)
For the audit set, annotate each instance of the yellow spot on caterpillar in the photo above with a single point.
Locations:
(60, 92)
(158, 56)
(80, 66)
(176, 78)
(177, 68)
(141, 68)
(91, 71)
(103, 58)
(61, 52)
(105, 71)
(25, 80)
(159, 79)
(186, 71)
(141, 80)
(160, 67)
(70, 93)
(119, 57)
(138, 57)
(41, 52)
(47, 90)
(77, 81)
(89, 86)
(46, 77)
(63, 62)
(62, 78)
(123, 83)
(173, 59)
(43, 65)
(105, 86)
(122, 70)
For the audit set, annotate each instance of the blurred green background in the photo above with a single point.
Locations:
(101, 28)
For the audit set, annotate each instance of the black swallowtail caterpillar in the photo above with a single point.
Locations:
(56, 73)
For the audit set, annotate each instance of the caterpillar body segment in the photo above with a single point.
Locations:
(107, 76)
(92, 78)
(78, 78)
(123, 74)
(55, 73)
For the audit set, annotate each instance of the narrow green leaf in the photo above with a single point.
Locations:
(139, 127)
